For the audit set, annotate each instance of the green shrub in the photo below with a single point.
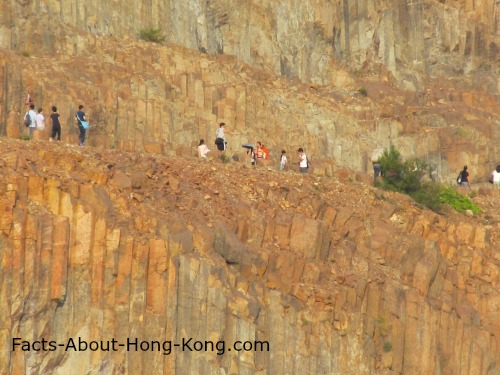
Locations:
(24, 137)
(152, 35)
(225, 158)
(401, 176)
(387, 347)
(429, 196)
(406, 177)
(458, 201)
(26, 54)
(363, 91)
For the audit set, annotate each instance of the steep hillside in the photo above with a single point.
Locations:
(335, 276)
(163, 99)
(290, 73)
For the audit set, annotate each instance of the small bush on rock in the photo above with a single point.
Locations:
(459, 202)
(152, 35)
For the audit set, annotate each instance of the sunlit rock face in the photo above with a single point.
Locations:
(131, 254)
(413, 39)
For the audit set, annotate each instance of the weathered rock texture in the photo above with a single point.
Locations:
(338, 277)
(430, 70)
(139, 96)
(413, 39)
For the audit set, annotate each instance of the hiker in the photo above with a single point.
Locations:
(251, 155)
(374, 158)
(220, 137)
(283, 160)
(259, 153)
(203, 149)
(464, 177)
(265, 152)
(32, 115)
(56, 125)
(302, 161)
(40, 120)
(79, 117)
(495, 177)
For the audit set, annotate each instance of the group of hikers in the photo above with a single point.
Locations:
(36, 121)
(254, 152)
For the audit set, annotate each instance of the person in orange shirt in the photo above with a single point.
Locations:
(265, 152)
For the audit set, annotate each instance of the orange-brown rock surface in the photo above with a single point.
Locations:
(336, 276)
(162, 99)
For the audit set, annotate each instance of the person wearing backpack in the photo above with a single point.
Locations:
(220, 137)
(30, 120)
(463, 177)
(79, 117)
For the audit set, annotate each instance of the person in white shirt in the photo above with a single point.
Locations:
(40, 120)
(220, 137)
(203, 149)
(32, 114)
(283, 160)
(495, 176)
(302, 161)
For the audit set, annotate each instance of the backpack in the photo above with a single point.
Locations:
(459, 178)
(27, 119)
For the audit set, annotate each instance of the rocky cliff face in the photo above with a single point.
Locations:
(430, 71)
(335, 276)
(144, 242)
(413, 39)
(164, 99)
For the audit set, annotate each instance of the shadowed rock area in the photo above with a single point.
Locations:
(336, 276)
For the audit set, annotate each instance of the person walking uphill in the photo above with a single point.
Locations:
(56, 125)
(303, 165)
(220, 137)
(79, 117)
(33, 116)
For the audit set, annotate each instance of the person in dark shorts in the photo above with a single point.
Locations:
(56, 125)
(79, 117)
(220, 137)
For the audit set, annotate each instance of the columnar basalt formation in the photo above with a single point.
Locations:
(413, 39)
(99, 245)
(164, 99)
(430, 69)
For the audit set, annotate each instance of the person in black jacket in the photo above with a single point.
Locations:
(464, 177)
